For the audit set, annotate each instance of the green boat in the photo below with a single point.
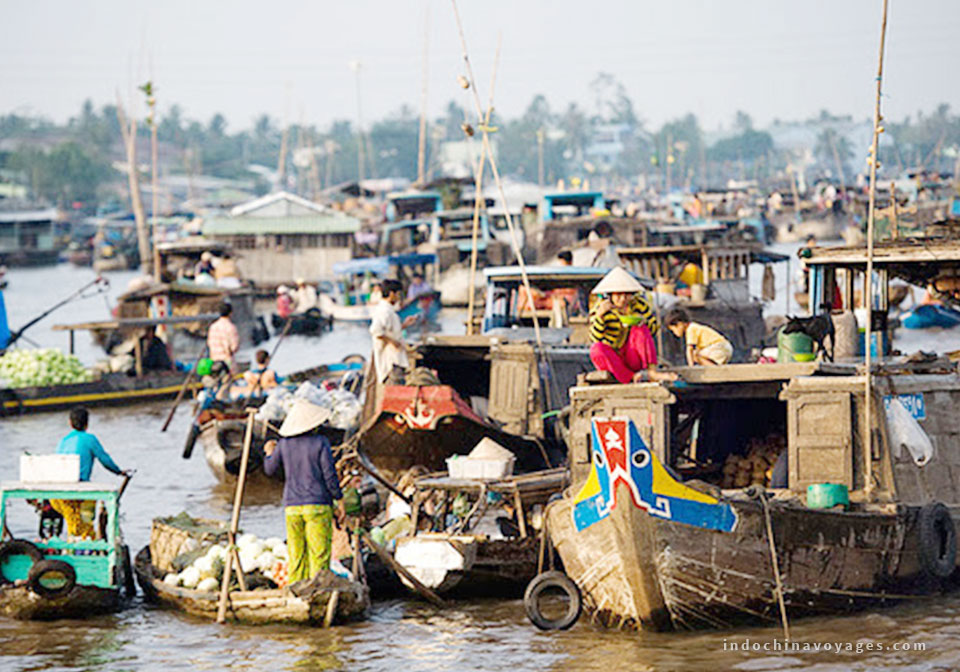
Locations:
(55, 578)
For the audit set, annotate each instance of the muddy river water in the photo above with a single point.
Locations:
(402, 634)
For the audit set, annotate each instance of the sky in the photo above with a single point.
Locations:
(772, 58)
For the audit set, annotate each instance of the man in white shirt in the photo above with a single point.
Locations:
(305, 296)
(389, 350)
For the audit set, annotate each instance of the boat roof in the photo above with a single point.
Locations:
(137, 322)
(381, 265)
(558, 272)
(757, 253)
(916, 260)
(69, 486)
(192, 245)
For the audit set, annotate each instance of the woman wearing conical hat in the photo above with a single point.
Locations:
(622, 325)
(310, 487)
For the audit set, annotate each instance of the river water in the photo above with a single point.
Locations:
(400, 634)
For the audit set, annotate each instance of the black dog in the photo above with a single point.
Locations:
(817, 327)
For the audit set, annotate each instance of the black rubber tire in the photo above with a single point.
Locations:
(938, 541)
(354, 358)
(545, 581)
(17, 547)
(41, 568)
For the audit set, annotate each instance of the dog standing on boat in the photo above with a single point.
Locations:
(818, 328)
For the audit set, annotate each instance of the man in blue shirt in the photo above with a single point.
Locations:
(79, 513)
(79, 442)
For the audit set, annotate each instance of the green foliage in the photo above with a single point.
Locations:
(63, 175)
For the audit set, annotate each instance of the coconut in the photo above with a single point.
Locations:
(265, 561)
(280, 550)
(272, 542)
(190, 577)
(172, 579)
(246, 539)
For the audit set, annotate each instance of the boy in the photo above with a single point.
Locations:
(705, 346)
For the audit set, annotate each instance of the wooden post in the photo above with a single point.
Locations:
(138, 357)
(868, 281)
(129, 133)
(422, 137)
(152, 102)
(235, 522)
(895, 230)
(521, 516)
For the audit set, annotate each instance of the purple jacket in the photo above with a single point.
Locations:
(308, 467)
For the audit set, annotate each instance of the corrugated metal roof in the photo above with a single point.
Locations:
(319, 224)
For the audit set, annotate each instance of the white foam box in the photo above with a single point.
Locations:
(49, 468)
(484, 470)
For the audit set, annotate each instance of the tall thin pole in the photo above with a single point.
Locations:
(422, 139)
(152, 102)
(540, 157)
(129, 133)
(868, 282)
(355, 66)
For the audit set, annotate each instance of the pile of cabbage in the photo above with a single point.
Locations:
(44, 366)
(344, 405)
(268, 556)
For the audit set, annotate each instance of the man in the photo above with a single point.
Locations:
(153, 352)
(566, 258)
(389, 350)
(79, 513)
(306, 296)
(223, 339)
(284, 302)
(310, 487)
(418, 287)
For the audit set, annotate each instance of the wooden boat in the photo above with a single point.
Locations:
(474, 556)
(648, 550)
(311, 323)
(112, 389)
(302, 604)
(56, 578)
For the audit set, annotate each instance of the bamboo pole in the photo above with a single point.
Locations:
(895, 229)
(868, 281)
(129, 133)
(235, 522)
(152, 102)
(478, 199)
(422, 137)
(496, 174)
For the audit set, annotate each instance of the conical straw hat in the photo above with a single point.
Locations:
(303, 417)
(617, 280)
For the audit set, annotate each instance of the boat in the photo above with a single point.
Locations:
(473, 555)
(347, 302)
(310, 323)
(753, 494)
(28, 237)
(930, 315)
(57, 578)
(257, 602)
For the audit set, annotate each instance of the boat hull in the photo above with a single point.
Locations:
(256, 606)
(639, 571)
(22, 603)
(112, 389)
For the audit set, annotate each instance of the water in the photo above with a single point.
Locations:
(407, 635)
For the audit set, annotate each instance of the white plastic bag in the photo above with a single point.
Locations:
(905, 432)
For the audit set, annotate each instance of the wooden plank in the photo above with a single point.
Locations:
(736, 373)
(136, 322)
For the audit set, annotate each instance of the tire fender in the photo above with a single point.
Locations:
(546, 581)
(44, 567)
(938, 541)
(17, 547)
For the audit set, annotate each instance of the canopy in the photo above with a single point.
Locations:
(381, 265)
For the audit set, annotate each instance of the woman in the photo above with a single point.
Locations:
(622, 325)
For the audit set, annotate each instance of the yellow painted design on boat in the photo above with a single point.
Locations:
(664, 484)
(97, 396)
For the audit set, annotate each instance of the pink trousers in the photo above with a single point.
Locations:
(637, 354)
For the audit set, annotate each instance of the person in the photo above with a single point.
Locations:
(389, 350)
(310, 487)
(705, 346)
(223, 339)
(418, 287)
(205, 265)
(284, 302)
(153, 352)
(260, 379)
(376, 294)
(600, 239)
(566, 258)
(306, 297)
(79, 513)
(618, 345)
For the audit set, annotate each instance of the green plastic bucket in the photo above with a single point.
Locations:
(204, 366)
(827, 495)
(789, 345)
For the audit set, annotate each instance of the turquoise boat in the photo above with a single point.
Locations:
(54, 578)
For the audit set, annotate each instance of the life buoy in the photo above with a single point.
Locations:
(51, 578)
(17, 547)
(552, 581)
(938, 541)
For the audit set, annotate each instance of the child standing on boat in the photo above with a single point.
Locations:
(705, 346)
(622, 325)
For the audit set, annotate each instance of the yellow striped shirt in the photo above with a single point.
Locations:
(608, 328)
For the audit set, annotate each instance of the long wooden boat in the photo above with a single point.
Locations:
(53, 578)
(112, 389)
(652, 544)
(476, 557)
(307, 606)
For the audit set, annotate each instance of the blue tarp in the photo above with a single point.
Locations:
(381, 265)
(4, 327)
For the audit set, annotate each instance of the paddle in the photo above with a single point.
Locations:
(183, 389)
(232, 555)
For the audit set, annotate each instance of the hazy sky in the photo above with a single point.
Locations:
(772, 58)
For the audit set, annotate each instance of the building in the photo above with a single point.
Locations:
(28, 237)
(281, 236)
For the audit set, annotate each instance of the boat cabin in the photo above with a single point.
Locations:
(28, 237)
(412, 205)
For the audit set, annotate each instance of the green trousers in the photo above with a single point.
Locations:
(309, 536)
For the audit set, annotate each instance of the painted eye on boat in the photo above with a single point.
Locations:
(641, 459)
(598, 458)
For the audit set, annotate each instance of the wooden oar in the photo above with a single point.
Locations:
(232, 555)
(183, 389)
(401, 570)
